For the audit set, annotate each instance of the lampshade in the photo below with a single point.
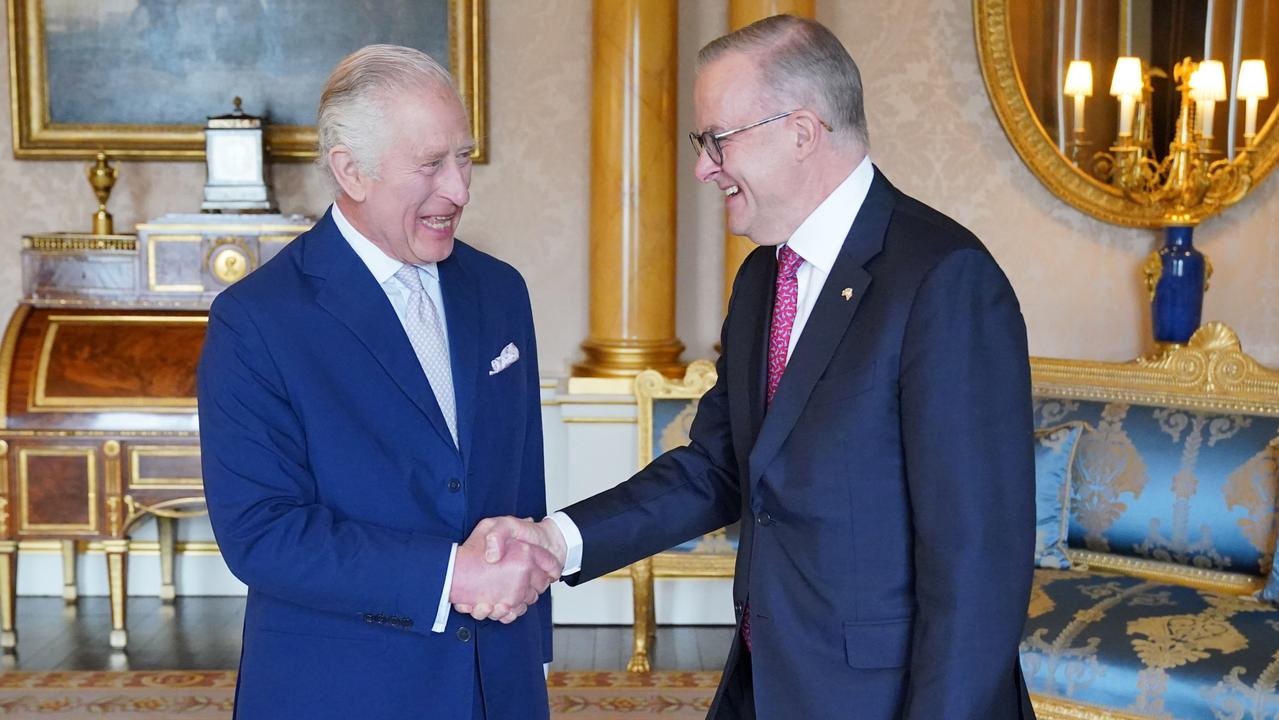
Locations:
(1079, 78)
(1252, 80)
(1208, 81)
(1127, 80)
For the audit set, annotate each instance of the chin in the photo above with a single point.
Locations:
(433, 250)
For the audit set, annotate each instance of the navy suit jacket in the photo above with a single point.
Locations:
(886, 495)
(335, 490)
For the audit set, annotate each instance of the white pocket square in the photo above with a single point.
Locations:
(505, 359)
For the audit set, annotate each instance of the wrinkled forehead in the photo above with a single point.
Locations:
(727, 92)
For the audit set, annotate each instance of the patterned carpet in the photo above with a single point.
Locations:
(201, 695)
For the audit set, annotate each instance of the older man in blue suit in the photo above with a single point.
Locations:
(365, 398)
(871, 426)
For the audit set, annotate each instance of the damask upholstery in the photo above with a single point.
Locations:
(1190, 487)
(1171, 538)
(1150, 649)
(1054, 453)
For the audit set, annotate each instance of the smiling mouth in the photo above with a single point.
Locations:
(437, 222)
(731, 191)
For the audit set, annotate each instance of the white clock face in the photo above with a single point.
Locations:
(235, 158)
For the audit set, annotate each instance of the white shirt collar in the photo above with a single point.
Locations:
(382, 266)
(821, 235)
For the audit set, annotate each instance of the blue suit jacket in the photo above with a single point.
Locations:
(335, 490)
(886, 495)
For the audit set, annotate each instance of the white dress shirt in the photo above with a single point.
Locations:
(818, 240)
(383, 267)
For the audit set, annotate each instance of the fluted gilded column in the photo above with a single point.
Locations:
(740, 14)
(633, 134)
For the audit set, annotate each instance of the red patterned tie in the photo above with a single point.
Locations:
(785, 307)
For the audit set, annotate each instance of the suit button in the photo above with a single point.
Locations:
(455, 485)
(737, 608)
(463, 634)
(407, 622)
(368, 617)
(765, 519)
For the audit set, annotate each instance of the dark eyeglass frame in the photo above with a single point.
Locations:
(709, 141)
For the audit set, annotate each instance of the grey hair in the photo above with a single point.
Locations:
(353, 104)
(801, 61)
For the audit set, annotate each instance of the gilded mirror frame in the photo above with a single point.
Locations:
(1031, 139)
(35, 137)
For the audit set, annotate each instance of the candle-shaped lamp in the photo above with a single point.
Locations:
(1207, 88)
(1127, 85)
(1079, 86)
(1253, 86)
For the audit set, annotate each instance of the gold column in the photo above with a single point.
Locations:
(8, 594)
(740, 14)
(632, 315)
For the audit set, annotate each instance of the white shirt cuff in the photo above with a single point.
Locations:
(442, 614)
(573, 539)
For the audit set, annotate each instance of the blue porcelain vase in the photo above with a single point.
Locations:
(1177, 273)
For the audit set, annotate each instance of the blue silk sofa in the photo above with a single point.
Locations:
(1170, 493)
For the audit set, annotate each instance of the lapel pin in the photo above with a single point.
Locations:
(847, 293)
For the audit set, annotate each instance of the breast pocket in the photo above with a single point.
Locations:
(841, 385)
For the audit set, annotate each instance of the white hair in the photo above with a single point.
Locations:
(353, 104)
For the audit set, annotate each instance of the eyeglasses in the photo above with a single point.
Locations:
(709, 141)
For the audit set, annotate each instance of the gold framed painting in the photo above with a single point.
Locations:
(137, 78)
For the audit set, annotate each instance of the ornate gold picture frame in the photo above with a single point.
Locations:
(39, 134)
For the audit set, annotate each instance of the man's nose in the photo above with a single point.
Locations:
(456, 185)
(705, 169)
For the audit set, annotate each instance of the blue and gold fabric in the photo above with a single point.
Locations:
(1054, 452)
(672, 421)
(1150, 649)
(1188, 487)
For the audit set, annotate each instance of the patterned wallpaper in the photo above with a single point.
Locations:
(933, 133)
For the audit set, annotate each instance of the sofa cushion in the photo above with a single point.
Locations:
(1054, 452)
(1149, 648)
(1181, 486)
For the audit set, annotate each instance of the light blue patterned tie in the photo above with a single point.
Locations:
(426, 333)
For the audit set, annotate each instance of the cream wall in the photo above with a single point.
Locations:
(933, 133)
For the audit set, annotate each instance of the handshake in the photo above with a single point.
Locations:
(504, 566)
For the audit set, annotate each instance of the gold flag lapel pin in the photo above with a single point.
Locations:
(847, 293)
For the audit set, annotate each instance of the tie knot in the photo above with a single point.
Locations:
(788, 262)
(409, 278)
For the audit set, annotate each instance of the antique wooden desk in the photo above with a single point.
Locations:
(98, 425)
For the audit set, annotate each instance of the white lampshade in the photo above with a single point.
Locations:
(1208, 81)
(1252, 80)
(1079, 78)
(1127, 80)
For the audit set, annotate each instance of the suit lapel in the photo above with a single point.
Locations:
(462, 313)
(349, 293)
(827, 325)
(747, 338)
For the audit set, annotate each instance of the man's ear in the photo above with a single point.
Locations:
(807, 130)
(347, 172)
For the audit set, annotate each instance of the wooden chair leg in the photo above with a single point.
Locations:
(117, 577)
(8, 594)
(69, 591)
(165, 528)
(645, 630)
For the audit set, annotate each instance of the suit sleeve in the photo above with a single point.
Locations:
(272, 530)
(967, 435)
(684, 493)
(532, 492)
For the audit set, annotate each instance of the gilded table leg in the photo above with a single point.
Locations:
(165, 528)
(69, 592)
(8, 594)
(642, 591)
(117, 574)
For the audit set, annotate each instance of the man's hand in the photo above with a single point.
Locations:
(496, 537)
(501, 588)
